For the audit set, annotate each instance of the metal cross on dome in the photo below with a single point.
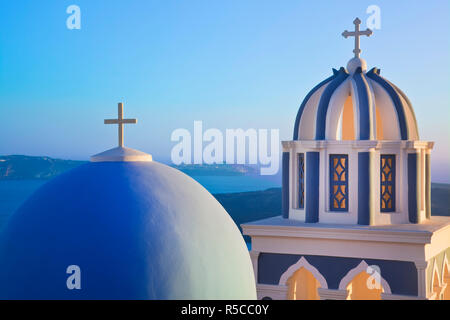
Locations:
(120, 121)
(357, 34)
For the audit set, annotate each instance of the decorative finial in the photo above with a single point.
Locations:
(120, 121)
(357, 34)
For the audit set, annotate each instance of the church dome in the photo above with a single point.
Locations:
(135, 228)
(354, 104)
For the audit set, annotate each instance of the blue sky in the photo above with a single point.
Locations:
(231, 64)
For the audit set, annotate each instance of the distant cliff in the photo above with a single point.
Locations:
(26, 167)
(18, 167)
(250, 206)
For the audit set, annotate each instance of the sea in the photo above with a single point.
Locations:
(14, 192)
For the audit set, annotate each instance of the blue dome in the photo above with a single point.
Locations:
(366, 105)
(137, 230)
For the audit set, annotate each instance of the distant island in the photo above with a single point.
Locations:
(217, 169)
(20, 167)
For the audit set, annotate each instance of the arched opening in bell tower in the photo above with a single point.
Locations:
(302, 285)
(347, 121)
(303, 281)
(364, 287)
(364, 282)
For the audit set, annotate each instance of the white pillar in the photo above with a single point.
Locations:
(254, 257)
(422, 285)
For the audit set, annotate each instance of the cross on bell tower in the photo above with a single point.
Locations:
(120, 121)
(357, 33)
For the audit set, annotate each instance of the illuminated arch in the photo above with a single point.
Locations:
(357, 271)
(303, 263)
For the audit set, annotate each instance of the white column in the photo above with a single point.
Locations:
(422, 285)
(254, 257)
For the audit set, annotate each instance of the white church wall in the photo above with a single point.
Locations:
(308, 120)
(391, 129)
(341, 243)
(410, 119)
(354, 95)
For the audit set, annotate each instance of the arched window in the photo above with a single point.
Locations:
(364, 282)
(358, 288)
(303, 281)
(387, 183)
(301, 180)
(338, 182)
(302, 285)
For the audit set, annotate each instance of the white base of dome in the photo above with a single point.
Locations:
(122, 154)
